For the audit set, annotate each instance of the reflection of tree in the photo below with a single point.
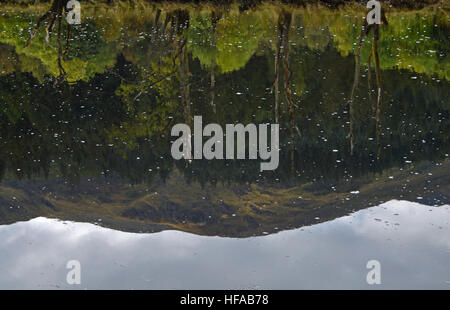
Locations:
(55, 13)
(415, 40)
(215, 16)
(277, 71)
(163, 76)
(180, 24)
(90, 53)
(237, 39)
(82, 146)
(365, 30)
(282, 56)
(376, 36)
(147, 100)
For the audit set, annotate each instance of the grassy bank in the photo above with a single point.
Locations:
(249, 4)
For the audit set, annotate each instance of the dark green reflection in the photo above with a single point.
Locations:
(82, 126)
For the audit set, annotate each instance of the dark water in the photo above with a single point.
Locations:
(86, 118)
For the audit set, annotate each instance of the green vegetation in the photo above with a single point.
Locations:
(133, 69)
(413, 40)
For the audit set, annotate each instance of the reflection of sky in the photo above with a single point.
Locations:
(411, 241)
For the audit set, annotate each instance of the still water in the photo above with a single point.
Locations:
(86, 170)
(411, 241)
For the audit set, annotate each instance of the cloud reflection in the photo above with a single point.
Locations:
(411, 241)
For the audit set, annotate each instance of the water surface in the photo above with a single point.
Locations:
(411, 241)
(85, 138)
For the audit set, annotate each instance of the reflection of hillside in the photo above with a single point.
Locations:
(233, 210)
